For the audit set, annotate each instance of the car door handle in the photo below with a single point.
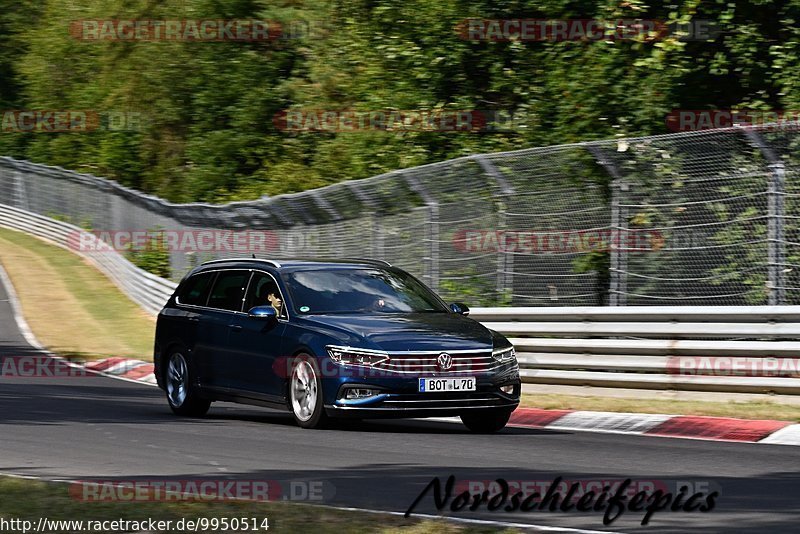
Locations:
(194, 319)
(235, 327)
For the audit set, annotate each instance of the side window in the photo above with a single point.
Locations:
(195, 290)
(228, 290)
(264, 291)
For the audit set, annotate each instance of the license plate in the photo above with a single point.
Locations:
(433, 385)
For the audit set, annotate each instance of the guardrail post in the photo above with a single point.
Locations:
(776, 253)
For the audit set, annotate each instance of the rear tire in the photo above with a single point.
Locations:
(305, 393)
(486, 421)
(181, 395)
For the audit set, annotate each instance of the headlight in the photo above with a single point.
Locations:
(351, 356)
(506, 354)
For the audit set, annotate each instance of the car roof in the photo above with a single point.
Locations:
(290, 264)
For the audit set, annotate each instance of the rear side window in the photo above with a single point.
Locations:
(228, 290)
(195, 290)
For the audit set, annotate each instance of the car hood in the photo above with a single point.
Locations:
(410, 332)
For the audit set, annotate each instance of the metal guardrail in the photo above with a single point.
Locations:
(618, 347)
(656, 347)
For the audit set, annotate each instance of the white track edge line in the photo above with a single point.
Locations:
(16, 311)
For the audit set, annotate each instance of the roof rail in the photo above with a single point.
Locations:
(367, 260)
(223, 260)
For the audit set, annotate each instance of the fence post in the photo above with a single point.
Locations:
(505, 259)
(776, 244)
(20, 192)
(618, 255)
(618, 260)
(6, 185)
(376, 238)
(430, 201)
(433, 250)
(776, 252)
(323, 203)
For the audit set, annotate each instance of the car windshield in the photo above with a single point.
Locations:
(359, 291)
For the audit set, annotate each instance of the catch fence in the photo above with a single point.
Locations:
(697, 218)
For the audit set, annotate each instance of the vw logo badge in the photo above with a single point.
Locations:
(445, 361)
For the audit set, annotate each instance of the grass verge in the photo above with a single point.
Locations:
(741, 410)
(71, 307)
(31, 500)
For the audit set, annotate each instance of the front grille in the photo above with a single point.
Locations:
(462, 363)
(412, 401)
(464, 402)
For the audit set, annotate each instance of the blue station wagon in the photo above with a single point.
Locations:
(330, 339)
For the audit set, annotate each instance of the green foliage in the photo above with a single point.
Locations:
(599, 262)
(208, 133)
(153, 256)
(467, 285)
(85, 223)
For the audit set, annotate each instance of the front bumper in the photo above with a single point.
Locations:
(403, 399)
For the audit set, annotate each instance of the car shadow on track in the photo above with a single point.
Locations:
(394, 426)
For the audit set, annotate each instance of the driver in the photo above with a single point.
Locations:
(275, 301)
(268, 294)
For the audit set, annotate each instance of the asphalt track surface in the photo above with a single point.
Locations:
(89, 428)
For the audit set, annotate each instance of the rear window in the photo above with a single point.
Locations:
(195, 290)
(228, 291)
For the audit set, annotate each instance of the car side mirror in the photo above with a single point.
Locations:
(459, 307)
(265, 313)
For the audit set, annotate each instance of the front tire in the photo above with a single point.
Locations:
(486, 421)
(305, 393)
(181, 396)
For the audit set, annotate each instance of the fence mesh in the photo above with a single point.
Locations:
(699, 218)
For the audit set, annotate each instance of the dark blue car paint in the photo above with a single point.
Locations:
(244, 359)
